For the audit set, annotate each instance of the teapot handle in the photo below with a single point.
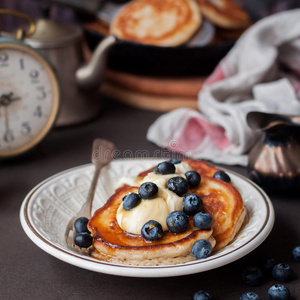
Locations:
(90, 75)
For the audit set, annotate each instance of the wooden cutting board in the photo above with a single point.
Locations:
(159, 94)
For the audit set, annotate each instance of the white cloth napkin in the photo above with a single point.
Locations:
(260, 73)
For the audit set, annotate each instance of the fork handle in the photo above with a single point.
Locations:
(86, 209)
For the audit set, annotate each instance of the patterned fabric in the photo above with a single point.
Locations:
(261, 73)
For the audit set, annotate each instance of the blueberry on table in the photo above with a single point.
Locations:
(193, 178)
(80, 225)
(296, 254)
(201, 249)
(131, 200)
(282, 272)
(222, 176)
(83, 240)
(278, 292)
(268, 264)
(252, 276)
(152, 231)
(175, 161)
(202, 295)
(177, 221)
(250, 296)
(191, 204)
(178, 185)
(165, 167)
(203, 220)
(148, 190)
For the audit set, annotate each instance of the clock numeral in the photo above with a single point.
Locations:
(26, 129)
(42, 93)
(8, 136)
(38, 112)
(22, 64)
(3, 59)
(34, 74)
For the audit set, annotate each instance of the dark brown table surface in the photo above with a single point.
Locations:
(27, 272)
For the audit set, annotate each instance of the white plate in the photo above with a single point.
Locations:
(47, 209)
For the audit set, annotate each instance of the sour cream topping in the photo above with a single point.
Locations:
(157, 208)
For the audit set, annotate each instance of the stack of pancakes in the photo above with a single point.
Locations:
(174, 22)
(220, 199)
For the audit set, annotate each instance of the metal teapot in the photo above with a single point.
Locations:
(274, 162)
(63, 44)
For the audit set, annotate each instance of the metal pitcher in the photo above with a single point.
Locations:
(274, 162)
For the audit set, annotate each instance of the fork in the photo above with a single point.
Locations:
(102, 154)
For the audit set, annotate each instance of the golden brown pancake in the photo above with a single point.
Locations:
(116, 245)
(224, 13)
(221, 199)
(157, 22)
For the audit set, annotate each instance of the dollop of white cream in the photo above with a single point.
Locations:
(156, 209)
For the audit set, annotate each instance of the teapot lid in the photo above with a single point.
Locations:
(50, 34)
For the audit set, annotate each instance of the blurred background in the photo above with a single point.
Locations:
(256, 8)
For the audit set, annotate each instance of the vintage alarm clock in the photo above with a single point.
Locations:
(29, 93)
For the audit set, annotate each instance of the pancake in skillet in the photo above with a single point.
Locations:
(157, 22)
(224, 13)
(220, 199)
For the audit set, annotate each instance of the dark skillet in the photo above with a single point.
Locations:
(159, 61)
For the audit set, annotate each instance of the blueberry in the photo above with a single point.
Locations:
(222, 176)
(250, 296)
(165, 167)
(191, 204)
(296, 254)
(148, 190)
(131, 200)
(178, 185)
(175, 161)
(268, 264)
(252, 276)
(152, 231)
(278, 292)
(201, 249)
(177, 221)
(83, 240)
(193, 178)
(282, 272)
(203, 220)
(80, 225)
(201, 295)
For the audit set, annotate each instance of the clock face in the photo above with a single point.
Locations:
(29, 97)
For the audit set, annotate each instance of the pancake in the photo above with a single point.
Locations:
(224, 13)
(221, 199)
(115, 245)
(156, 22)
